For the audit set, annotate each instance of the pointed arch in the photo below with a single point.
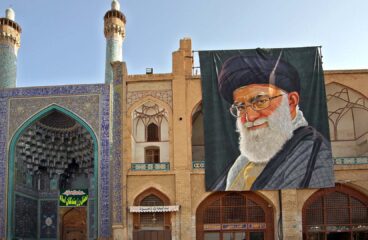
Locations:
(345, 86)
(140, 119)
(152, 223)
(222, 208)
(143, 116)
(151, 191)
(11, 159)
(347, 109)
(196, 109)
(197, 133)
(153, 132)
(150, 99)
(334, 210)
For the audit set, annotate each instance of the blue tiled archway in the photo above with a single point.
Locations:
(11, 168)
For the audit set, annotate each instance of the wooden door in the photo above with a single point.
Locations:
(74, 225)
(152, 235)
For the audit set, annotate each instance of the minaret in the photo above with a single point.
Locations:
(9, 45)
(114, 31)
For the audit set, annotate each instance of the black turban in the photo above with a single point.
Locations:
(239, 71)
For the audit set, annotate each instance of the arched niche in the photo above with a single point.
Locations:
(150, 128)
(197, 134)
(152, 225)
(347, 113)
(52, 150)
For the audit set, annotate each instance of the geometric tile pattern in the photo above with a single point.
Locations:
(84, 106)
(116, 154)
(48, 219)
(92, 225)
(8, 66)
(25, 217)
(67, 97)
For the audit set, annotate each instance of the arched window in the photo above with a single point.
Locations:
(150, 123)
(152, 133)
(337, 213)
(152, 154)
(150, 127)
(152, 224)
(197, 134)
(234, 216)
(152, 220)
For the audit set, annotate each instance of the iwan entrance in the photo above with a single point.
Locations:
(53, 178)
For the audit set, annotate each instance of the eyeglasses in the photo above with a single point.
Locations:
(259, 103)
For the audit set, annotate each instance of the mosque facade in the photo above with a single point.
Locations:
(125, 159)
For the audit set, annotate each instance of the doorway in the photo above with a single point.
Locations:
(234, 216)
(53, 150)
(73, 223)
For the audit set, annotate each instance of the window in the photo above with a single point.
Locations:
(152, 133)
(336, 213)
(152, 155)
(155, 219)
(155, 224)
(150, 123)
(228, 216)
(150, 137)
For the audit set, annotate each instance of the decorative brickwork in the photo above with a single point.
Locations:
(133, 97)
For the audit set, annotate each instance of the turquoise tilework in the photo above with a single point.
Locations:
(113, 53)
(8, 67)
(104, 208)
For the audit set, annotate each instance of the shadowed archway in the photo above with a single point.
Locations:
(53, 150)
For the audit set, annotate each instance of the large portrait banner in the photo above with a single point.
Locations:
(265, 120)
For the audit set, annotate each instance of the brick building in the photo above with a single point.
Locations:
(136, 143)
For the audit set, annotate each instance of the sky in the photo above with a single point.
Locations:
(62, 42)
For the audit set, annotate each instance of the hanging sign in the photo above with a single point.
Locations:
(138, 209)
(73, 198)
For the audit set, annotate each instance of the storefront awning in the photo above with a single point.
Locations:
(143, 209)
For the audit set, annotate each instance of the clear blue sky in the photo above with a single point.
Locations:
(63, 43)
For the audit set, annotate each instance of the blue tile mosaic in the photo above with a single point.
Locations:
(25, 215)
(113, 53)
(103, 90)
(116, 145)
(92, 224)
(48, 219)
(8, 66)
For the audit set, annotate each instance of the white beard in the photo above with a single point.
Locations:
(260, 145)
